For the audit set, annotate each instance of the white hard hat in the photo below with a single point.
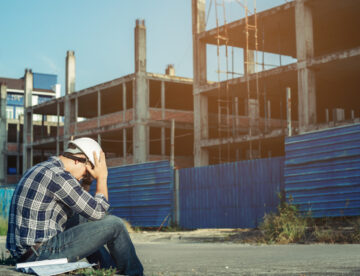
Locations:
(87, 146)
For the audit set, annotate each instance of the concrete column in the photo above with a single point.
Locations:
(249, 62)
(19, 153)
(236, 114)
(57, 128)
(70, 72)
(141, 95)
(124, 146)
(124, 95)
(201, 155)
(201, 129)
(124, 143)
(170, 70)
(288, 111)
(27, 128)
(252, 111)
(69, 107)
(306, 77)
(75, 106)
(268, 112)
(163, 134)
(3, 134)
(98, 115)
(251, 105)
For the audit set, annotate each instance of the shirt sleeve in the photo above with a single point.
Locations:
(68, 190)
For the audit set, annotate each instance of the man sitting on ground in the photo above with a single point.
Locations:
(49, 194)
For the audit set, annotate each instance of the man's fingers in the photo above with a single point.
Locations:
(90, 170)
(96, 160)
(102, 156)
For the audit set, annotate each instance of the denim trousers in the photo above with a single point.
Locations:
(86, 239)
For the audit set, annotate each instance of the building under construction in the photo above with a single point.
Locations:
(44, 87)
(136, 118)
(247, 115)
(195, 122)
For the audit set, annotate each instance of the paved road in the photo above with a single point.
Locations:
(170, 258)
(163, 257)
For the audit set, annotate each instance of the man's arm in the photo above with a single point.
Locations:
(100, 173)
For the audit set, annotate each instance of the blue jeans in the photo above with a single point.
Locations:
(87, 239)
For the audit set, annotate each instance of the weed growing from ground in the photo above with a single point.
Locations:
(356, 234)
(95, 272)
(287, 226)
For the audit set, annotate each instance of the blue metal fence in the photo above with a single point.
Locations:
(234, 195)
(322, 171)
(142, 193)
(6, 194)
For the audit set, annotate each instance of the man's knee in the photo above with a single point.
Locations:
(115, 222)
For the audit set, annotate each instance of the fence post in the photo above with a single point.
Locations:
(176, 211)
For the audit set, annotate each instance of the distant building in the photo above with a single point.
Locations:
(44, 88)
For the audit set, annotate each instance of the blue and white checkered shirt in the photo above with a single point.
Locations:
(43, 199)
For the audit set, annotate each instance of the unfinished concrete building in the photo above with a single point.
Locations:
(13, 102)
(248, 116)
(136, 118)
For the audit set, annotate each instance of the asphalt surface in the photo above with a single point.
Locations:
(170, 258)
(188, 254)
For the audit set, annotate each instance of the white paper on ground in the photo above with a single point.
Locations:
(49, 270)
(51, 267)
(44, 262)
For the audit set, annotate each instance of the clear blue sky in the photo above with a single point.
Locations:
(36, 34)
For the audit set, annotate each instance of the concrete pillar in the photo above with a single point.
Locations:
(20, 120)
(163, 134)
(252, 111)
(3, 134)
(124, 144)
(288, 111)
(70, 72)
(141, 96)
(306, 76)
(57, 128)
(98, 115)
(27, 128)
(201, 125)
(268, 112)
(170, 70)
(124, 97)
(69, 106)
(251, 105)
(249, 62)
(236, 114)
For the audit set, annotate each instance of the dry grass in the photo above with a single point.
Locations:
(285, 227)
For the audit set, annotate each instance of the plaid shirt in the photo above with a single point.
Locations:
(43, 199)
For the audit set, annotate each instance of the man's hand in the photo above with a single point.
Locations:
(100, 173)
(100, 168)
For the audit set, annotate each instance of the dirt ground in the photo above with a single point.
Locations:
(200, 235)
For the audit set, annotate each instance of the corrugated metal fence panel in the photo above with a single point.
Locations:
(233, 195)
(5, 200)
(142, 193)
(322, 171)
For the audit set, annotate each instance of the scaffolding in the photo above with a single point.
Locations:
(229, 124)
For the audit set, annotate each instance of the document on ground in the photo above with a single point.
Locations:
(51, 267)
